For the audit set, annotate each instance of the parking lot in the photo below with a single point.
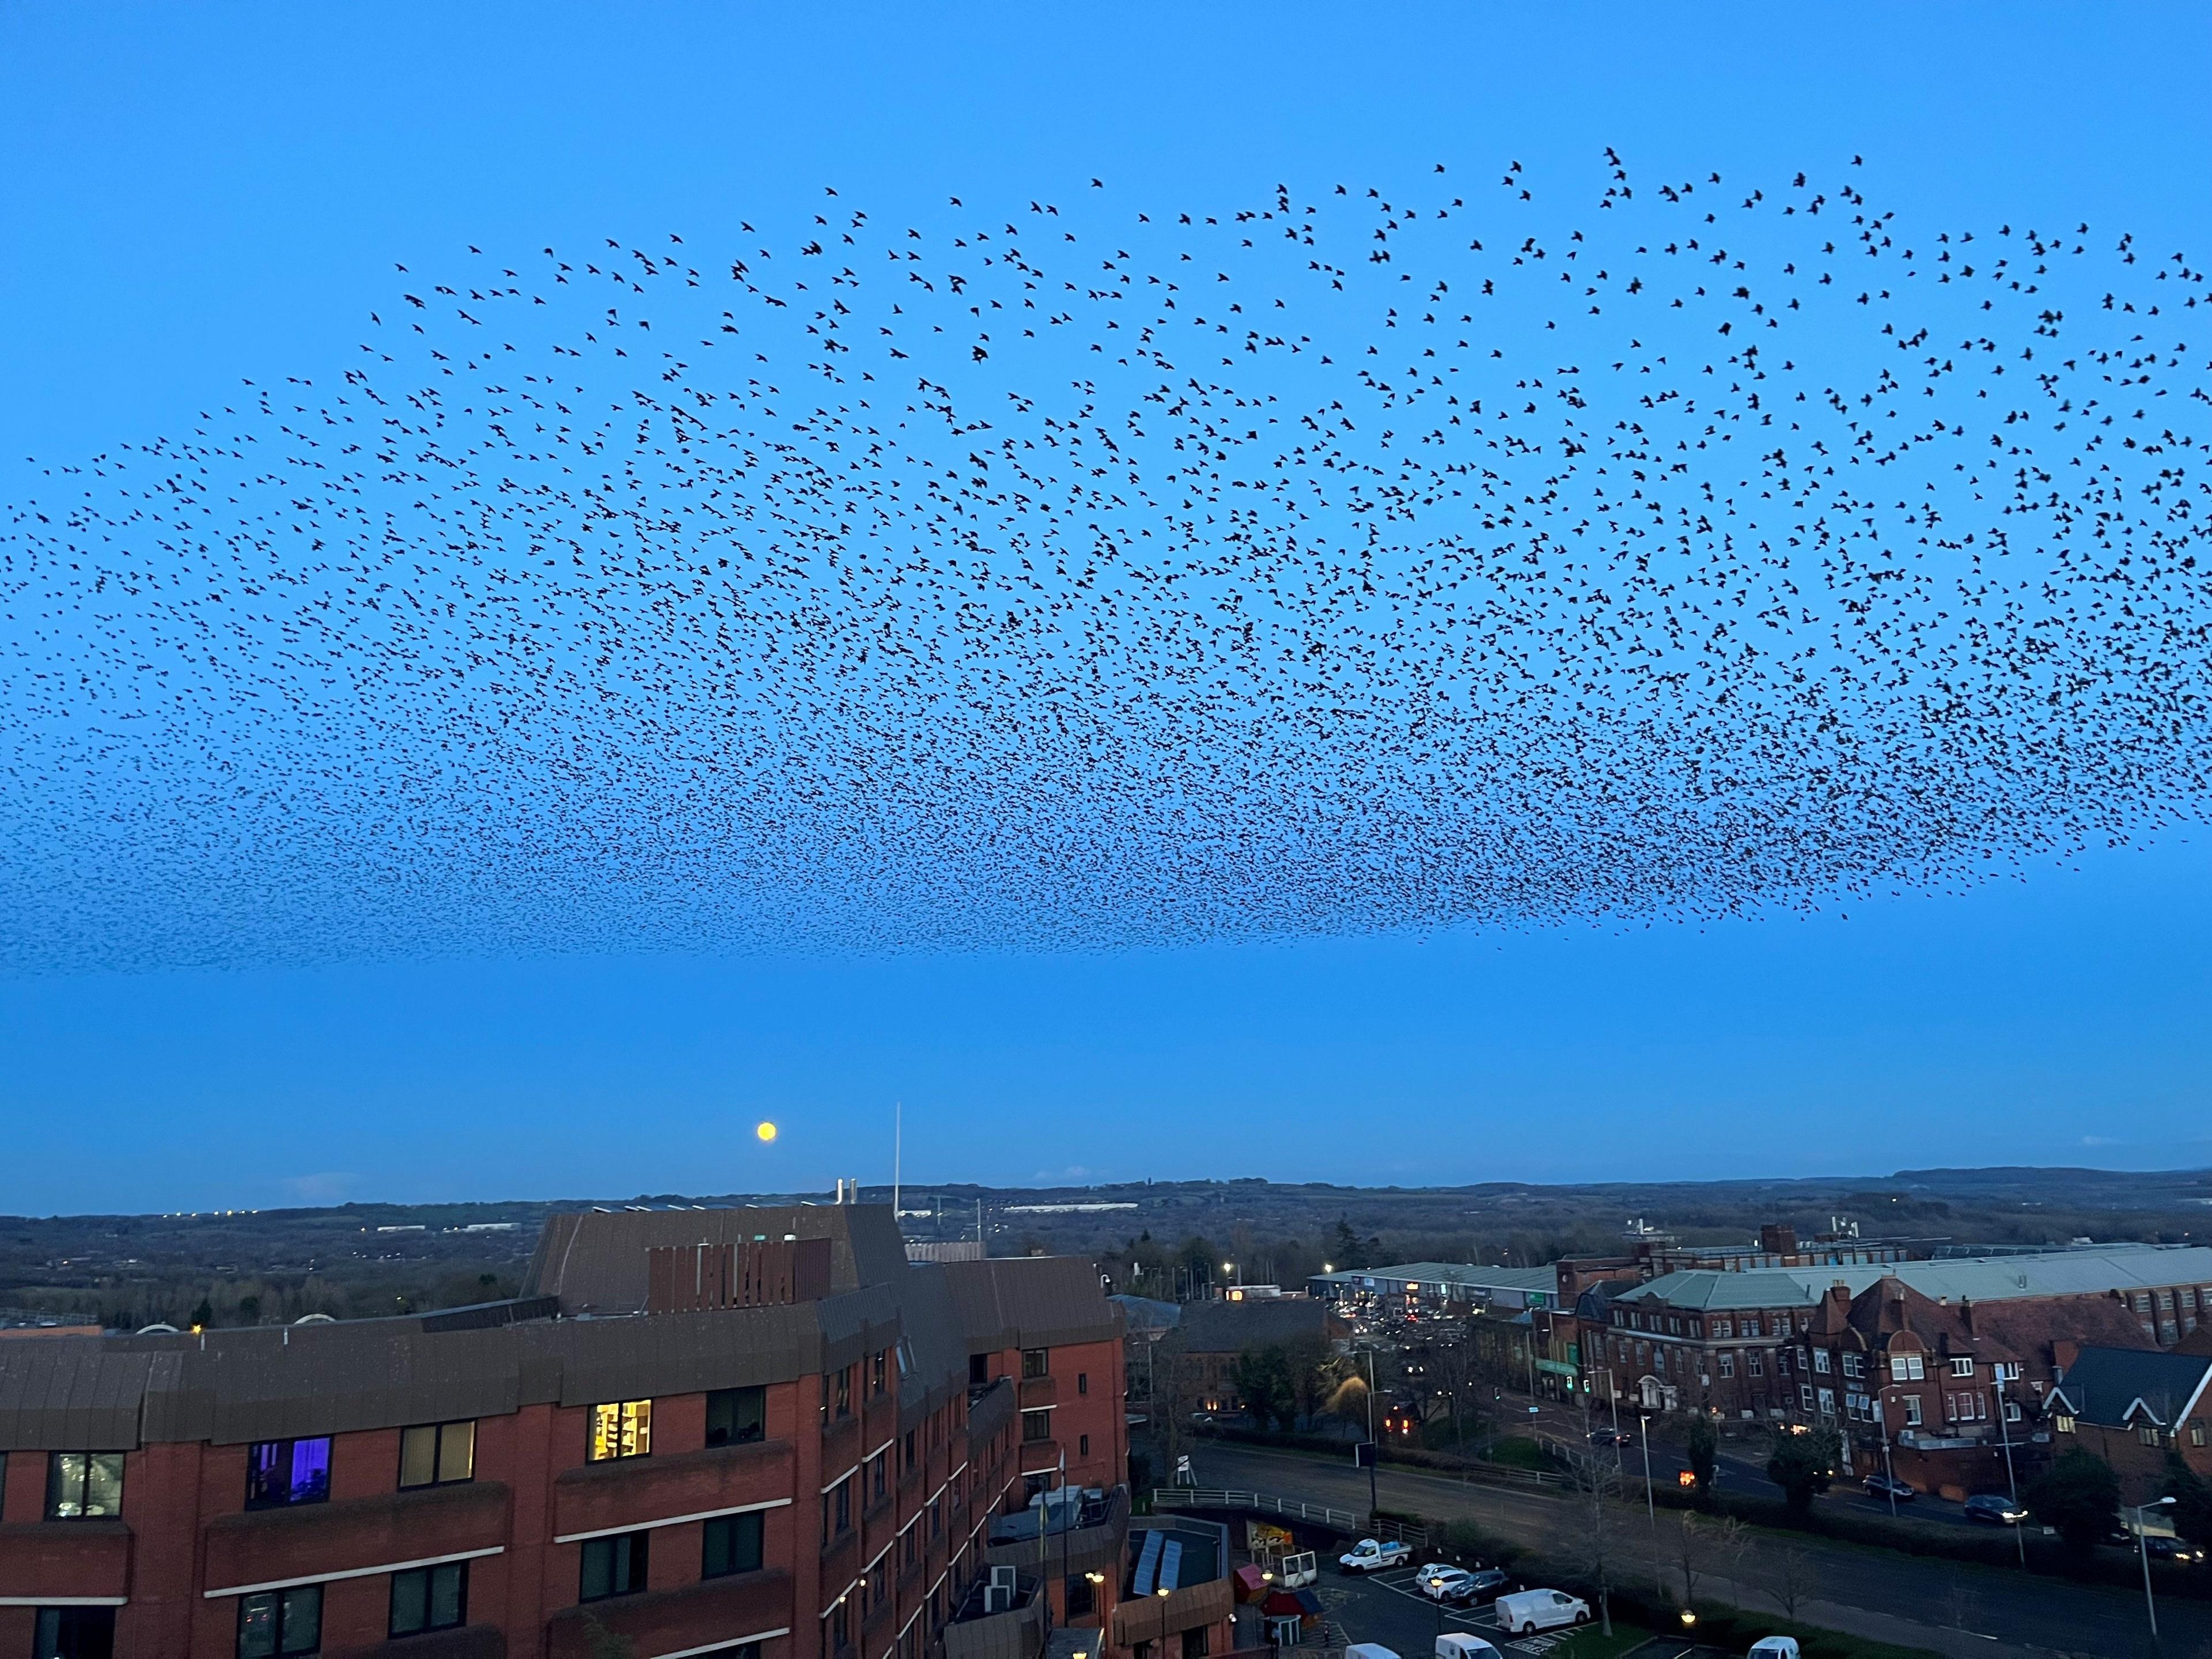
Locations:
(1387, 1608)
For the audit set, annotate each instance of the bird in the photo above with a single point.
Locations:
(1340, 561)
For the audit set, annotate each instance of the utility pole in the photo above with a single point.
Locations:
(2142, 1549)
(1374, 1452)
(2012, 1484)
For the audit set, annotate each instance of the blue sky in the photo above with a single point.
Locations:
(189, 195)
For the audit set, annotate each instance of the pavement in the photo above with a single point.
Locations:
(1961, 1610)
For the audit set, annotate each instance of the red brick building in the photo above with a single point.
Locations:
(759, 1433)
(2134, 1409)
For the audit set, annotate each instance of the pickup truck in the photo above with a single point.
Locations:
(1371, 1555)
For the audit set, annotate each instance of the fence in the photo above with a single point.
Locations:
(1208, 1497)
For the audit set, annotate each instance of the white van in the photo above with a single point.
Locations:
(1368, 1650)
(1527, 1611)
(1774, 1647)
(1458, 1644)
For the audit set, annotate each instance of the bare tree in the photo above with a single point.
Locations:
(1596, 1482)
(1173, 1389)
(1794, 1580)
(1694, 1553)
(1732, 1541)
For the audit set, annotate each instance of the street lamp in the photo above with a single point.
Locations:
(1650, 1505)
(2142, 1549)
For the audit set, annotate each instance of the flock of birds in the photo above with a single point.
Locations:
(1071, 574)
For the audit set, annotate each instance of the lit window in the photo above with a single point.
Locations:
(279, 1623)
(83, 1485)
(430, 1598)
(437, 1453)
(2196, 1434)
(279, 1472)
(614, 1566)
(2062, 1423)
(621, 1429)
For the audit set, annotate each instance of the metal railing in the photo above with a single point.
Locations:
(1215, 1498)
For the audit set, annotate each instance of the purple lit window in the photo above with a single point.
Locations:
(280, 1472)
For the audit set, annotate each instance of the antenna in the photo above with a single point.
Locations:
(898, 1135)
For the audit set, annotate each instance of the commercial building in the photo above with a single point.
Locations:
(760, 1433)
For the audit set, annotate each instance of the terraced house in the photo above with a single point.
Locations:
(759, 1432)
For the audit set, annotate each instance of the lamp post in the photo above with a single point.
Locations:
(2142, 1549)
(1650, 1505)
(2012, 1483)
(1373, 1501)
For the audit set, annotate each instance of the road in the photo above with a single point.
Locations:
(1958, 1609)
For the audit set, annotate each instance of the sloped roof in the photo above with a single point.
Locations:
(1031, 1302)
(2115, 1387)
(1982, 1279)
(1233, 1326)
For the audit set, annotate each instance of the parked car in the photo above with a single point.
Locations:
(1488, 1581)
(1449, 1585)
(1611, 1438)
(2175, 1550)
(1885, 1487)
(1995, 1509)
(1372, 1555)
(1527, 1611)
(1773, 1646)
(1460, 1644)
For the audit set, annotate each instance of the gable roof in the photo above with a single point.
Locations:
(2113, 1386)
(2123, 1269)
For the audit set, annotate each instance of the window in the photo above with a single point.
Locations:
(614, 1566)
(1758, 1369)
(837, 1509)
(1782, 1326)
(83, 1485)
(621, 1429)
(1728, 1364)
(1037, 1425)
(73, 1633)
(1083, 1445)
(1821, 1361)
(2062, 1423)
(1805, 1395)
(2012, 1413)
(277, 1623)
(909, 1464)
(1035, 1363)
(879, 1468)
(1750, 1326)
(1078, 1598)
(2195, 1433)
(1723, 1328)
(733, 1545)
(1854, 1364)
(936, 1516)
(979, 1370)
(1906, 1368)
(1911, 1411)
(842, 1392)
(1083, 1381)
(1827, 1402)
(279, 1472)
(437, 1453)
(878, 1370)
(1194, 1642)
(737, 1417)
(2147, 1433)
(840, 1625)
(430, 1598)
(1963, 1367)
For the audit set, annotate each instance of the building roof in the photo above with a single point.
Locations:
(116, 1393)
(1987, 1279)
(1144, 1312)
(2114, 1386)
(1439, 1276)
(1233, 1326)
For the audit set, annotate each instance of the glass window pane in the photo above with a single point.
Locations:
(457, 1452)
(64, 1486)
(303, 1620)
(418, 1455)
(446, 1585)
(256, 1627)
(410, 1602)
(103, 1484)
(598, 1569)
(745, 1547)
(311, 1470)
(637, 1428)
(262, 1459)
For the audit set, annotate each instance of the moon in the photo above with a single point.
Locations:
(766, 1131)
